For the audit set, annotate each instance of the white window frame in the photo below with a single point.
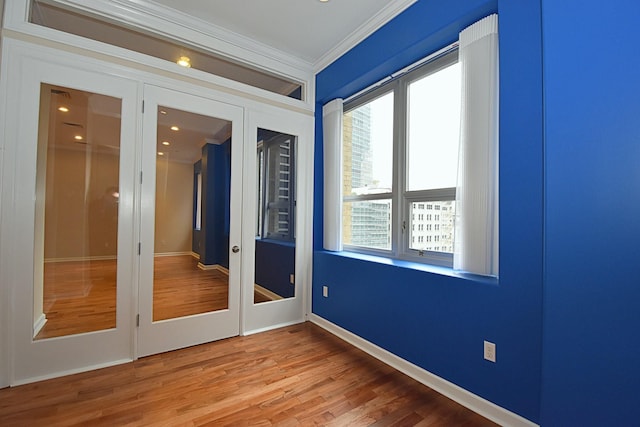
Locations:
(401, 198)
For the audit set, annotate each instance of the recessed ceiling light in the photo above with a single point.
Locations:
(324, 1)
(78, 137)
(160, 153)
(176, 128)
(163, 112)
(63, 109)
(166, 143)
(184, 61)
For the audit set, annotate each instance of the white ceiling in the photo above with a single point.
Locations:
(307, 29)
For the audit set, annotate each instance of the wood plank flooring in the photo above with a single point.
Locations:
(80, 296)
(180, 288)
(294, 376)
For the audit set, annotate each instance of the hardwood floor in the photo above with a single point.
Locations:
(180, 288)
(294, 376)
(80, 296)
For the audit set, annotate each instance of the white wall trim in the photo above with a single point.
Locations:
(39, 324)
(260, 290)
(393, 9)
(230, 44)
(163, 254)
(70, 372)
(271, 327)
(208, 267)
(81, 259)
(222, 269)
(467, 399)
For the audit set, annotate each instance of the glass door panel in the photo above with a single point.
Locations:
(274, 286)
(192, 159)
(77, 181)
(275, 247)
(191, 259)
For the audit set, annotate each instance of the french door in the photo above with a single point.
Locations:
(278, 183)
(71, 264)
(190, 224)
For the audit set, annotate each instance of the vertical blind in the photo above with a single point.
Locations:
(476, 230)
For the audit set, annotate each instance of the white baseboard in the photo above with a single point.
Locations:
(39, 324)
(163, 254)
(269, 328)
(208, 267)
(467, 399)
(270, 295)
(70, 372)
(81, 259)
(195, 255)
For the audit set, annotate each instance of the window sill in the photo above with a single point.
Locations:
(427, 268)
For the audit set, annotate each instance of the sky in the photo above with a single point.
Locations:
(434, 122)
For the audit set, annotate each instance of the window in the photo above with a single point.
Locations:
(276, 194)
(400, 155)
(367, 174)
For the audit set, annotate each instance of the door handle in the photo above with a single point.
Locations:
(235, 249)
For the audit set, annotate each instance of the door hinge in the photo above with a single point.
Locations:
(404, 226)
(140, 177)
(142, 107)
(139, 248)
(137, 320)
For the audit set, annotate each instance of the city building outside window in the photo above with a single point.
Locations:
(400, 154)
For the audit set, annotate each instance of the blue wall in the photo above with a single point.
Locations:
(439, 321)
(275, 261)
(213, 238)
(591, 359)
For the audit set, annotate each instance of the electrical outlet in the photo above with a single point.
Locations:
(490, 351)
(325, 291)
(292, 279)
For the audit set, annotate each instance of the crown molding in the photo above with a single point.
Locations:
(393, 9)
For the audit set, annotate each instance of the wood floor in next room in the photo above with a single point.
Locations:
(295, 376)
(80, 296)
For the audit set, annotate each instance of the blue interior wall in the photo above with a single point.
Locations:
(438, 320)
(216, 190)
(591, 359)
(275, 261)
